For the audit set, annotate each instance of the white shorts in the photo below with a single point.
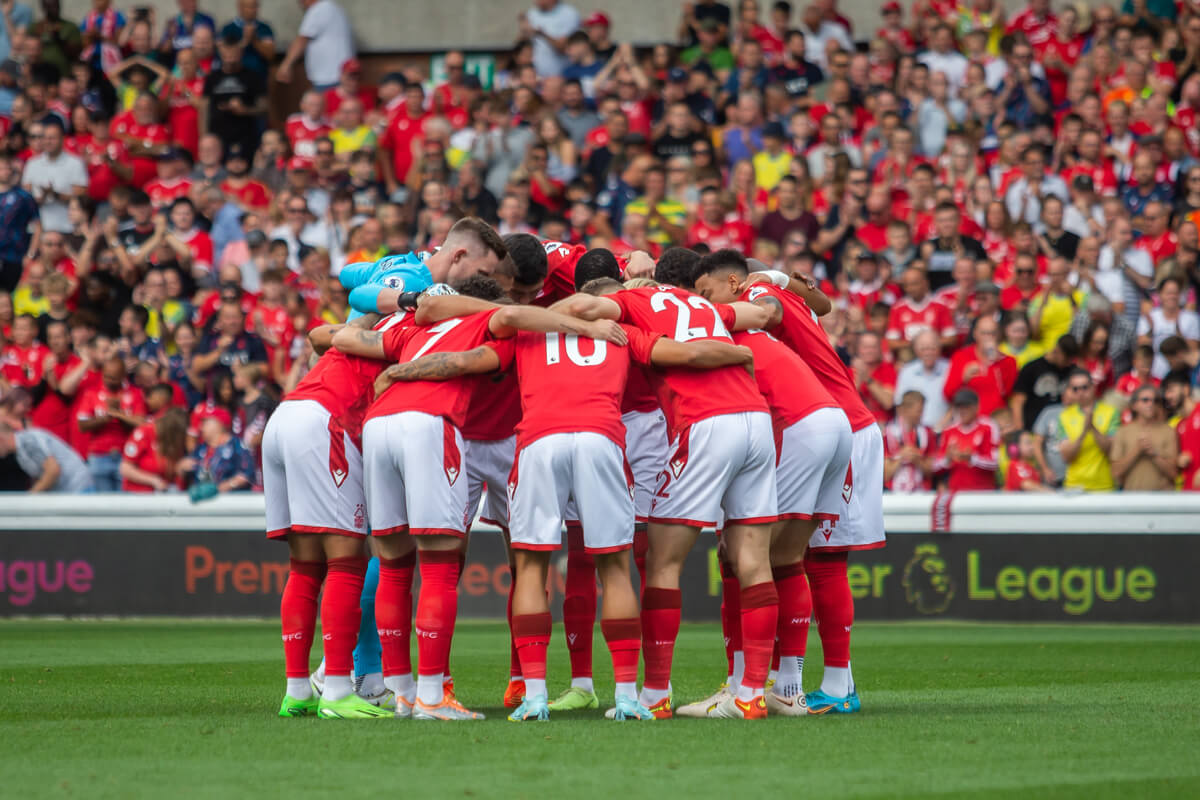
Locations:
(861, 524)
(813, 458)
(413, 472)
(646, 449)
(489, 464)
(722, 463)
(312, 473)
(588, 468)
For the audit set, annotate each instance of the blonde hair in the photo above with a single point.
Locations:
(640, 283)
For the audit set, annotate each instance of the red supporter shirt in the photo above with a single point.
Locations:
(54, 412)
(908, 477)
(690, 395)
(572, 384)
(95, 403)
(401, 131)
(1012, 296)
(1038, 29)
(183, 118)
(734, 234)
(791, 389)
(303, 134)
(251, 194)
(494, 409)
(865, 295)
(1188, 431)
(344, 385)
(1129, 382)
(800, 331)
(336, 96)
(163, 193)
(141, 450)
(101, 178)
(22, 366)
(992, 382)
(447, 399)
(907, 318)
(884, 373)
(1018, 472)
(981, 439)
(126, 128)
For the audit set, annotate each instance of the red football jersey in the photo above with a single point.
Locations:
(734, 234)
(982, 439)
(101, 178)
(884, 373)
(251, 194)
(690, 395)
(95, 404)
(163, 193)
(909, 477)
(560, 272)
(572, 384)
(303, 134)
(54, 412)
(908, 318)
(1188, 431)
(22, 366)
(495, 407)
(791, 389)
(1018, 472)
(345, 385)
(447, 399)
(641, 393)
(800, 331)
(141, 449)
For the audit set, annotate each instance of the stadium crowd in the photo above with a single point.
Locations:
(1003, 205)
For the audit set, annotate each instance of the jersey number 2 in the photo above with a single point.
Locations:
(684, 331)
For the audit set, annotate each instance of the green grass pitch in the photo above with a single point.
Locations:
(187, 709)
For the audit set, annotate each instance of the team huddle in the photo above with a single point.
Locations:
(636, 414)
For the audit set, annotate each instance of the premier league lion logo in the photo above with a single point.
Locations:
(927, 585)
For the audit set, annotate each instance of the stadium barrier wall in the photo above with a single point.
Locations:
(1114, 557)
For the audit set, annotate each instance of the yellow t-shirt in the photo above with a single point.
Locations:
(1091, 470)
(1028, 353)
(1056, 319)
(769, 169)
(25, 303)
(351, 141)
(669, 209)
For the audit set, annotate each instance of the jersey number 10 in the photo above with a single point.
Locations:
(555, 347)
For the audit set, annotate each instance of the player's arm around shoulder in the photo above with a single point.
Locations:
(321, 337)
(440, 367)
(508, 320)
(699, 354)
(435, 308)
(753, 316)
(588, 307)
(359, 342)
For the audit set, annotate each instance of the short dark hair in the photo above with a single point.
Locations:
(526, 262)
(481, 287)
(478, 229)
(1173, 346)
(1068, 345)
(675, 266)
(1177, 376)
(720, 260)
(594, 264)
(139, 312)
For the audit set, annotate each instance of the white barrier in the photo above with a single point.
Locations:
(968, 512)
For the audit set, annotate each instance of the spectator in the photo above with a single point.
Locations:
(1085, 434)
(18, 214)
(1024, 474)
(220, 460)
(908, 446)
(235, 97)
(1121, 336)
(179, 29)
(969, 449)
(1052, 311)
(53, 177)
(1125, 273)
(15, 22)
(325, 41)
(926, 375)
(1094, 357)
(916, 311)
(257, 37)
(1177, 392)
(1017, 343)
(1168, 319)
(1040, 383)
(948, 245)
(1145, 452)
(1024, 196)
(106, 415)
(48, 461)
(151, 456)
(228, 344)
(665, 216)
(982, 368)
(874, 377)
(549, 24)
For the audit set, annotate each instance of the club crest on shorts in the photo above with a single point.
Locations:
(360, 516)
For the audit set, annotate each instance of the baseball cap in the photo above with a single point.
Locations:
(300, 163)
(677, 75)
(710, 25)
(351, 65)
(1084, 183)
(890, 6)
(774, 130)
(236, 151)
(171, 154)
(217, 413)
(138, 197)
(965, 397)
(867, 255)
(597, 18)
(394, 77)
(703, 66)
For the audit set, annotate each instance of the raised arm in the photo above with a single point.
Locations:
(699, 354)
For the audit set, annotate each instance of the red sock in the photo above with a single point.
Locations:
(731, 612)
(641, 546)
(341, 612)
(437, 608)
(795, 610)
(832, 604)
(393, 613)
(532, 632)
(760, 616)
(660, 629)
(579, 603)
(514, 660)
(298, 613)
(624, 639)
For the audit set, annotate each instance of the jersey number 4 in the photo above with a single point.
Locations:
(556, 346)
(684, 330)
